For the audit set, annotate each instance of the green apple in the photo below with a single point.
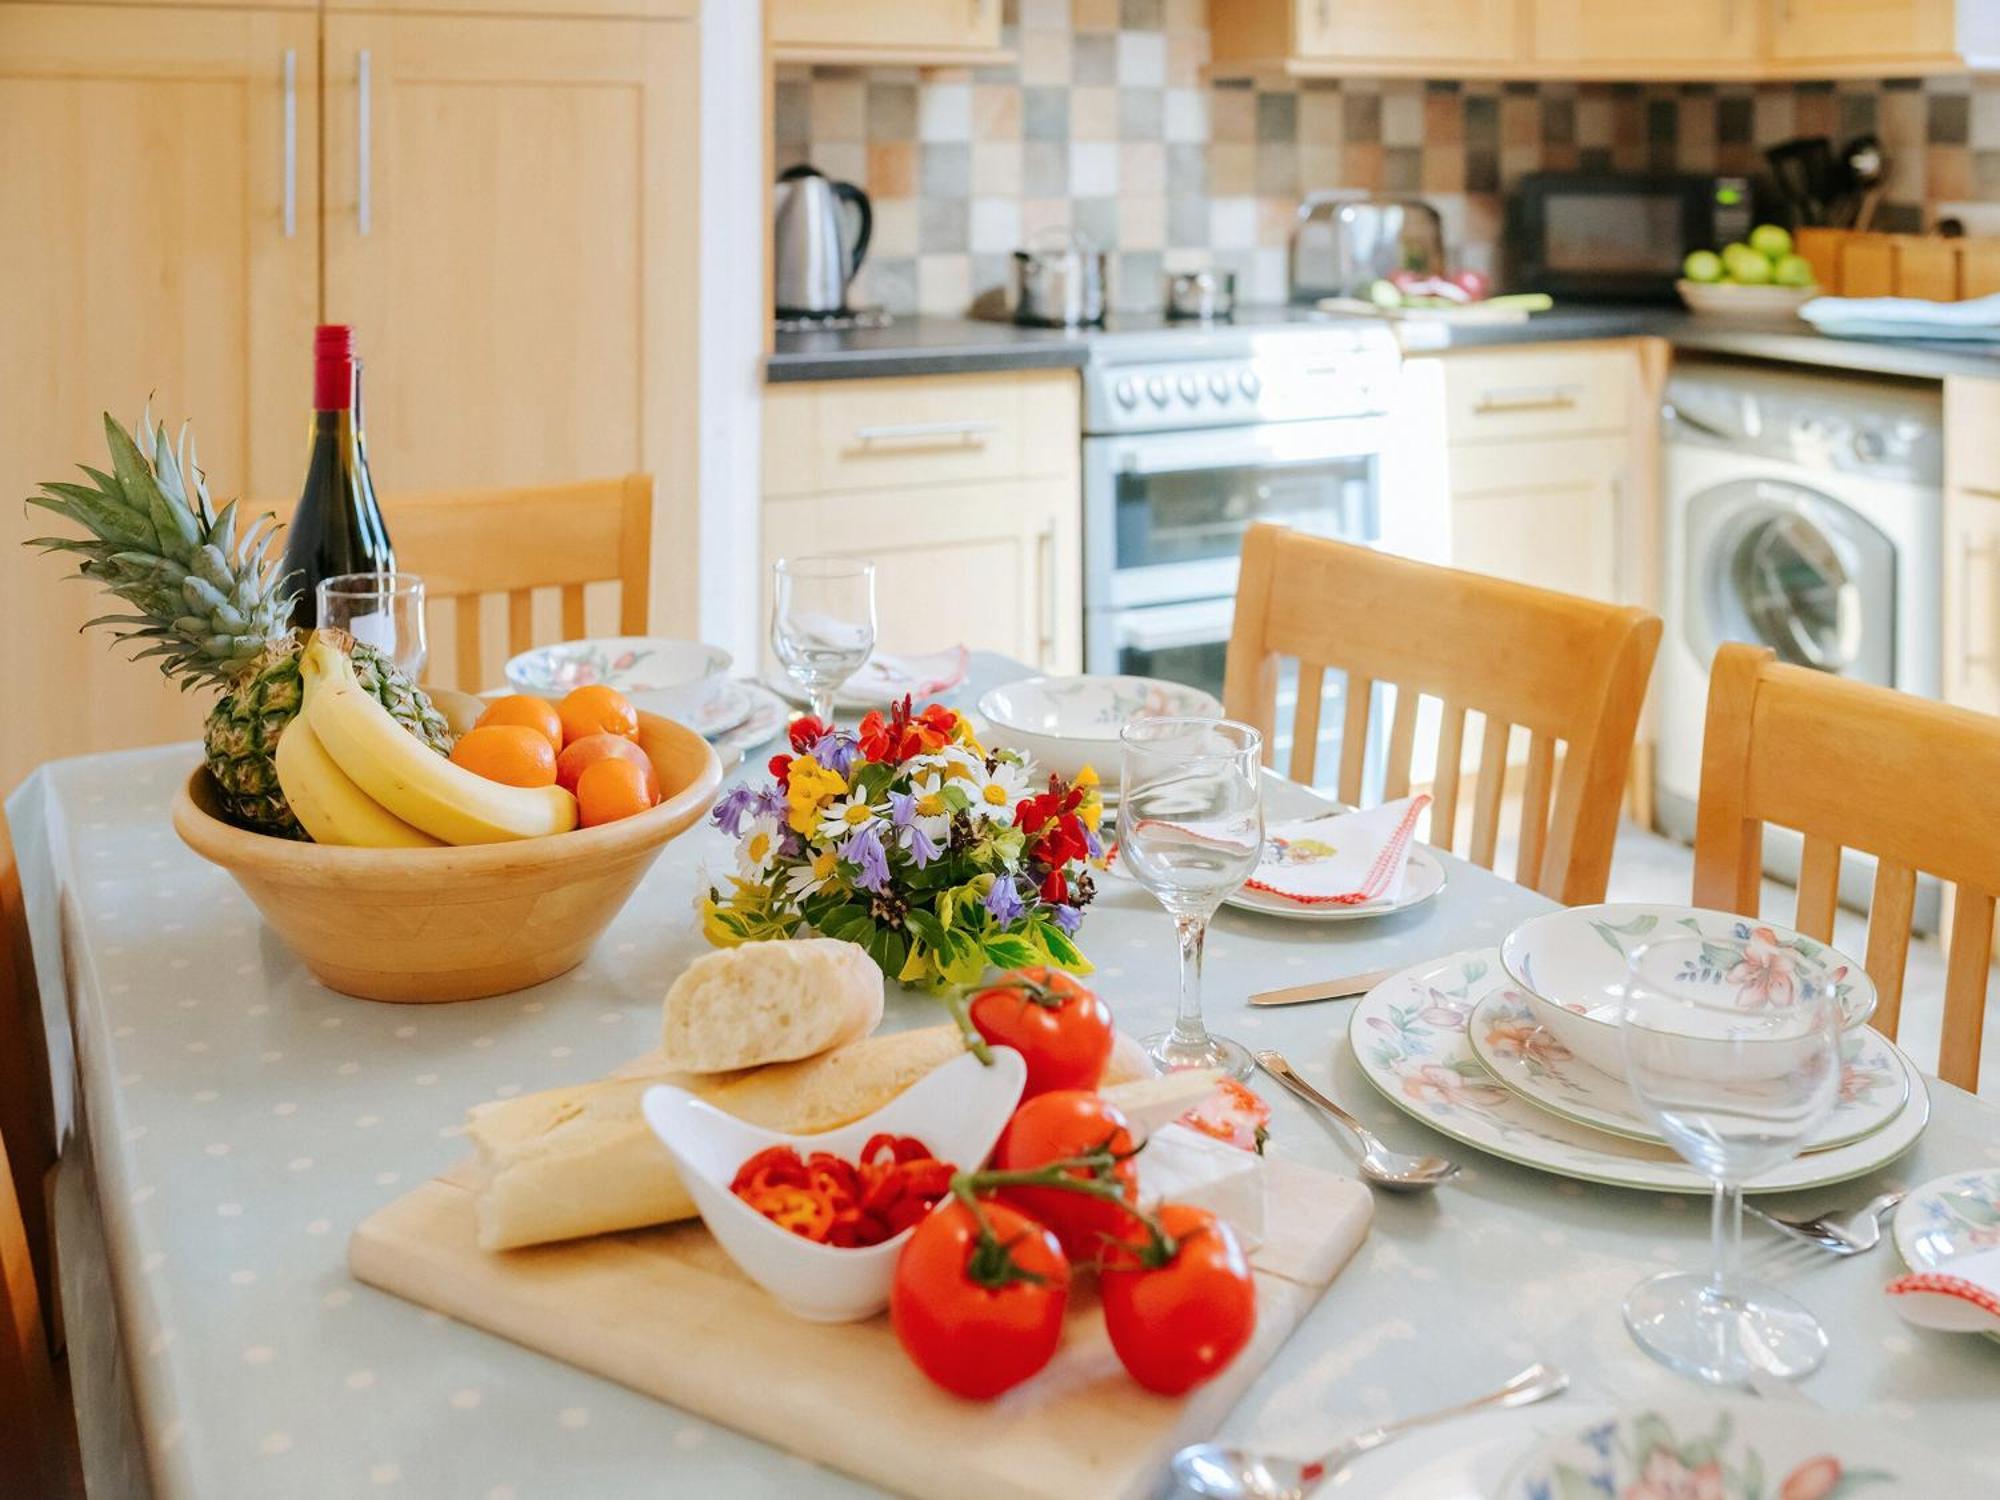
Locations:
(1793, 270)
(1745, 265)
(1702, 265)
(1771, 240)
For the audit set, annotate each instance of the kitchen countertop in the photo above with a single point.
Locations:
(953, 346)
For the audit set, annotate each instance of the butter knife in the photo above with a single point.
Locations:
(1325, 989)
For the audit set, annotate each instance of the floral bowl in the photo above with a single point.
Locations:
(672, 678)
(1571, 965)
(1067, 723)
(958, 1111)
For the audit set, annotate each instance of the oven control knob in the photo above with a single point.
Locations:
(1249, 384)
(1219, 386)
(1127, 394)
(1190, 389)
(1870, 446)
(1156, 388)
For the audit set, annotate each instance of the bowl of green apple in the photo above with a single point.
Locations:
(1762, 278)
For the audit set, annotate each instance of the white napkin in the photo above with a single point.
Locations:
(1351, 859)
(889, 676)
(1962, 1296)
(1908, 317)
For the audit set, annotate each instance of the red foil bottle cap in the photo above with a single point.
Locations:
(333, 367)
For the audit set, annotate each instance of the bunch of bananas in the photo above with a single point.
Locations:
(353, 775)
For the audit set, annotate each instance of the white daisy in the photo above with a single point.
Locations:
(759, 848)
(821, 869)
(844, 815)
(994, 793)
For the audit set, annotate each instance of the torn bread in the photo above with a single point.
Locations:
(769, 1002)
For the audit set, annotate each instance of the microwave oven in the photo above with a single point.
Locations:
(1619, 236)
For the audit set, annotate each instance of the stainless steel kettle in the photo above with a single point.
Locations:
(815, 251)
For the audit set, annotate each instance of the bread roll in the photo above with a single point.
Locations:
(582, 1160)
(769, 1002)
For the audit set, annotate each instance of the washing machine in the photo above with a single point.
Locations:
(1803, 512)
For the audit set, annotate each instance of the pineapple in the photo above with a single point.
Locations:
(210, 609)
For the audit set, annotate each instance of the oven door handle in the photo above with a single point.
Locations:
(1162, 627)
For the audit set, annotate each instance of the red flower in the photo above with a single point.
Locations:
(780, 767)
(903, 735)
(806, 731)
(1054, 888)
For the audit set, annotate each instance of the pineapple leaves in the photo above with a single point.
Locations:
(175, 523)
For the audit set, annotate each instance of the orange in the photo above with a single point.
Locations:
(521, 708)
(592, 748)
(597, 709)
(611, 789)
(512, 754)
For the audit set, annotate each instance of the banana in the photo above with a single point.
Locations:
(409, 778)
(327, 802)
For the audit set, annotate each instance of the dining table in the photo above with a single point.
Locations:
(227, 1121)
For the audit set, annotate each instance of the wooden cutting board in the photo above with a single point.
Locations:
(665, 1312)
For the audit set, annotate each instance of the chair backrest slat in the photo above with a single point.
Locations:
(1967, 966)
(1354, 737)
(1402, 745)
(1535, 792)
(1891, 906)
(1444, 782)
(1487, 792)
(1819, 887)
(1305, 722)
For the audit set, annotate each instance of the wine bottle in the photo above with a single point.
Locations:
(337, 527)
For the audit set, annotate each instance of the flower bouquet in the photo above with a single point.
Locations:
(905, 836)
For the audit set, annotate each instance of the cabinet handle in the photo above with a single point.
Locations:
(1045, 593)
(364, 142)
(291, 142)
(969, 432)
(1526, 398)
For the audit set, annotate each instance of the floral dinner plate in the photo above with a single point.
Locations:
(1409, 1035)
(1731, 1450)
(1524, 1055)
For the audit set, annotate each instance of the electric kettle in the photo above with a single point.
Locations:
(815, 252)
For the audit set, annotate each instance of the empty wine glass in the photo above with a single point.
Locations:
(822, 623)
(1735, 1056)
(1191, 829)
(383, 610)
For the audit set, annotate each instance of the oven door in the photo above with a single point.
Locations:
(1165, 512)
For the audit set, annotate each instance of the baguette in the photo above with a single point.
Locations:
(769, 1002)
(582, 1160)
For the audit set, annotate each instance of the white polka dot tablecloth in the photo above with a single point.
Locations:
(241, 1119)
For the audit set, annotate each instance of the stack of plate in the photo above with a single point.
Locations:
(1516, 1051)
(687, 681)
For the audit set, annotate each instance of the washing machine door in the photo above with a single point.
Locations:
(1789, 567)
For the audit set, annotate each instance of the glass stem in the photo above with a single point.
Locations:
(822, 705)
(1725, 1236)
(1188, 1029)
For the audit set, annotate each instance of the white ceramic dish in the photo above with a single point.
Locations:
(1571, 963)
(675, 678)
(1525, 1056)
(1949, 1217)
(887, 677)
(1067, 723)
(765, 722)
(958, 1111)
(1752, 303)
(724, 706)
(1409, 1036)
(1721, 1449)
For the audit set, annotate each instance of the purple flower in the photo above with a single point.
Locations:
(1068, 918)
(834, 751)
(733, 809)
(791, 845)
(902, 808)
(863, 849)
(1092, 842)
(1003, 902)
(771, 802)
(923, 848)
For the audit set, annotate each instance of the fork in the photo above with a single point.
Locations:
(1838, 1234)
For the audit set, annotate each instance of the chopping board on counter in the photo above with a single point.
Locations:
(665, 1312)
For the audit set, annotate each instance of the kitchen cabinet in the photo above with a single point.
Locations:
(1553, 522)
(1307, 37)
(161, 238)
(1870, 36)
(1590, 38)
(884, 31)
(1971, 581)
(964, 490)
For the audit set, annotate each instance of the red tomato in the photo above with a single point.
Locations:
(1233, 1114)
(1181, 1324)
(975, 1339)
(1063, 1123)
(1061, 1028)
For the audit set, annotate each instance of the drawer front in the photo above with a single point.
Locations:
(1972, 434)
(1543, 393)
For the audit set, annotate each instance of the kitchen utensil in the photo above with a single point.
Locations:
(1843, 1234)
(1059, 280)
(1067, 723)
(1343, 244)
(820, 235)
(1408, 1036)
(1393, 1171)
(1221, 1473)
(1204, 295)
(420, 925)
(1805, 171)
(664, 1312)
(1570, 964)
(1862, 168)
(822, 623)
(1344, 988)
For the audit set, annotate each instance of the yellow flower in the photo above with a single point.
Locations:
(1087, 776)
(810, 787)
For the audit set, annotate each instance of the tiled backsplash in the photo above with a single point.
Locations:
(1105, 125)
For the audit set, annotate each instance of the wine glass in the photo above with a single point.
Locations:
(1736, 1058)
(383, 610)
(1191, 829)
(823, 623)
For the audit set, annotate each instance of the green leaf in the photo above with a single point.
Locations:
(925, 926)
(1062, 952)
(172, 522)
(1008, 950)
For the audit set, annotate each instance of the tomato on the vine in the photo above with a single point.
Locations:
(979, 1312)
(1054, 1127)
(1062, 1029)
(1181, 1323)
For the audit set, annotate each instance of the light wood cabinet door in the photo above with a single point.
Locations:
(1412, 30)
(1862, 31)
(1971, 574)
(1549, 515)
(1618, 36)
(885, 28)
(509, 222)
(148, 248)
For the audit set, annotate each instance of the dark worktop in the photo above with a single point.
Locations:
(952, 346)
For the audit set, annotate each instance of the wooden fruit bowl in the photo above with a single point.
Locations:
(423, 925)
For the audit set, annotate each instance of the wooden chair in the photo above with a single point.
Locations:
(470, 543)
(1570, 671)
(1849, 765)
(27, 1111)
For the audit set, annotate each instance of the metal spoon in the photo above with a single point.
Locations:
(1220, 1473)
(1392, 1171)
(1842, 1234)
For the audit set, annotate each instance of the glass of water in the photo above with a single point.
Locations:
(822, 623)
(1735, 1056)
(383, 610)
(1191, 829)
